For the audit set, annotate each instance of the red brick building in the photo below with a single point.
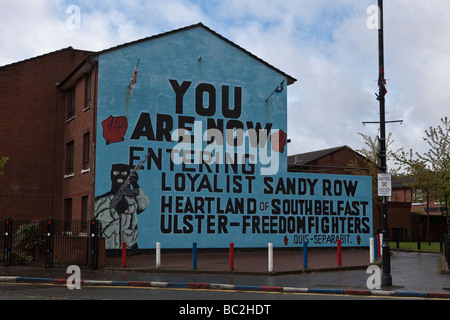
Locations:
(339, 160)
(32, 111)
(78, 92)
(418, 219)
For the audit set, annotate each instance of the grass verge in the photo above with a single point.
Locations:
(424, 246)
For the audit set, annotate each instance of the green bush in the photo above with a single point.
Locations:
(28, 237)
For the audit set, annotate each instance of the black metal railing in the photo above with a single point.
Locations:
(50, 243)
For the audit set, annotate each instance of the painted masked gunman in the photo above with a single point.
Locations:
(117, 209)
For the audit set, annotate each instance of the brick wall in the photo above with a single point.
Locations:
(29, 103)
(339, 162)
(401, 195)
(80, 183)
(399, 217)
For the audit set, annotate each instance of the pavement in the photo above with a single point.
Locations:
(422, 275)
(246, 262)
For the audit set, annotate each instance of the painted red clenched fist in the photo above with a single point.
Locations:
(279, 140)
(114, 129)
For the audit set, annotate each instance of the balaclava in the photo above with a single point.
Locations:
(119, 173)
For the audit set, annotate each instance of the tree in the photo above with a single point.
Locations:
(372, 152)
(433, 167)
(372, 157)
(438, 157)
(425, 186)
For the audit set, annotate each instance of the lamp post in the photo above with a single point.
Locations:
(386, 279)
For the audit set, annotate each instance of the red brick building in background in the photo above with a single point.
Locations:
(78, 90)
(329, 161)
(419, 219)
(32, 131)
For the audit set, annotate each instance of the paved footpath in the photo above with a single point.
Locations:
(414, 274)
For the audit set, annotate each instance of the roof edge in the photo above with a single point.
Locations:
(80, 68)
(319, 154)
(290, 79)
(46, 54)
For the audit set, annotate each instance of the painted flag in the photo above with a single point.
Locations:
(280, 87)
(134, 78)
(382, 82)
(277, 89)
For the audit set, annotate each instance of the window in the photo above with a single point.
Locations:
(86, 147)
(84, 215)
(71, 103)
(69, 158)
(87, 91)
(84, 208)
(67, 215)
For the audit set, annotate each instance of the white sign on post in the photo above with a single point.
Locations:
(384, 185)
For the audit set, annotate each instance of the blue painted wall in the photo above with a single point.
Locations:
(182, 80)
